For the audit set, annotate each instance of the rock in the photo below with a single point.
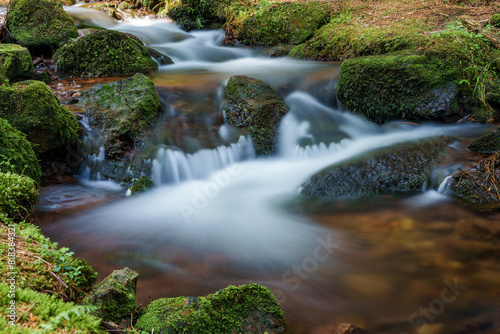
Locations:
(103, 53)
(32, 108)
(15, 63)
(350, 329)
(248, 308)
(478, 184)
(141, 185)
(489, 143)
(18, 196)
(398, 86)
(16, 153)
(115, 295)
(122, 111)
(40, 26)
(257, 107)
(401, 169)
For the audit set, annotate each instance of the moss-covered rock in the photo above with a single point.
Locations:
(142, 185)
(399, 86)
(489, 143)
(15, 63)
(103, 53)
(40, 25)
(478, 184)
(245, 309)
(495, 20)
(16, 154)
(122, 111)
(32, 108)
(280, 22)
(256, 106)
(195, 14)
(402, 169)
(115, 295)
(18, 196)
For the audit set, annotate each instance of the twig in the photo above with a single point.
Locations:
(59, 279)
(29, 309)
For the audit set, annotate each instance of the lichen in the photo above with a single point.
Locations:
(103, 53)
(32, 108)
(40, 25)
(248, 308)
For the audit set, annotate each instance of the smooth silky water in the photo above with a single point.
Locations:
(220, 216)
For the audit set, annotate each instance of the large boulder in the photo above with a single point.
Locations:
(489, 143)
(16, 153)
(122, 111)
(103, 53)
(18, 197)
(245, 309)
(254, 105)
(399, 87)
(402, 169)
(15, 63)
(115, 295)
(32, 108)
(40, 25)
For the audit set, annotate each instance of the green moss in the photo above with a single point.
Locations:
(122, 111)
(52, 315)
(32, 108)
(196, 14)
(495, 20)
(103, 53)
(15, 63)
(141, 185)
(410, 87)
(41, 24)
(16, 154)
(489, 143)
(248, 308)
(18, 196)
(255, 105)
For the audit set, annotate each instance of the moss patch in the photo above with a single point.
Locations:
(489, 143)
(245, 309)
(122, 111)
(255, 105)
(103, 53)
(32, 108)
(18, 196)
(142, 185)
(15, 63)
(41, 24)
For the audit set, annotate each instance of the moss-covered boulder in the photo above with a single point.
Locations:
(254, 105)
(122, 111)
(279, 22)
(245, 309)
(40, 25)
(489, 143)
(15, 63)
(142, 185)
(18, 196)
(32, 108)
(478, 184)
(115, 295)
(16, 153)
(402, 169)
(103, 53)
(398, 86)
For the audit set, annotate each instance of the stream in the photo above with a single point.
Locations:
(221, 216)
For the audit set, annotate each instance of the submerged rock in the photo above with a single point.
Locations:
(103, 53)
(245, 309)
(257, 107)
(32, 108)
(15, 63)
(122, 111)
(115, 295)
(16, 153)
(399, 87)
(401, 169)
(478, 184)
(40, 25)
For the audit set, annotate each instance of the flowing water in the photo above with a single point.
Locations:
(221, 216)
